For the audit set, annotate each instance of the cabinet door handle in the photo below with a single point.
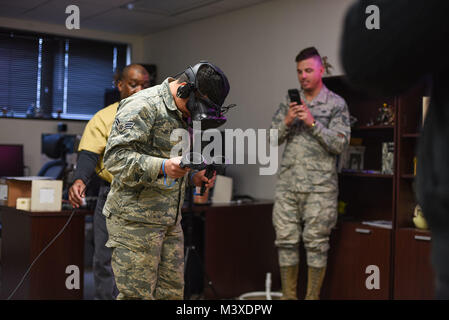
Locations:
(365, 231)
(423, 238)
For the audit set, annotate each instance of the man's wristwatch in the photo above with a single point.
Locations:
(314, 123)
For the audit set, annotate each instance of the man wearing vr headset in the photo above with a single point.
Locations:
(143, 208)
(132, 79)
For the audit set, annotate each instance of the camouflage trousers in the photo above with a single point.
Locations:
(147, 259)
(310, 215)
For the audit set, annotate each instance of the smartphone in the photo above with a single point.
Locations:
(294, 96)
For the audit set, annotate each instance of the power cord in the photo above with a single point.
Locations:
(51, 242)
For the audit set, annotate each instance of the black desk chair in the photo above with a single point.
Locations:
(54, 169)
(53, 146)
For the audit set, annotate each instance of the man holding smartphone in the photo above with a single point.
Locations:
(316, 127)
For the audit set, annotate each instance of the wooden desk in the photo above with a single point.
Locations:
(239, 248)
(24, 235)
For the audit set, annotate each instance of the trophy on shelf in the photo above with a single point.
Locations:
(418, 218)
(385, 116)
(327, 66)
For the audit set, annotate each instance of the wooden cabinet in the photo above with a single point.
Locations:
(413, 274)
(24, 236)
(238, 248)
(403, 252)
(358, 253)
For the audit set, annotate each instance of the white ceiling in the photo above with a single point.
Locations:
(139, 17)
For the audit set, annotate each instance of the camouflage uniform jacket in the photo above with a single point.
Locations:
(310, 153)
(138, 144)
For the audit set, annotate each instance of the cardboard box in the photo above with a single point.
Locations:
(46, 195)
(16, 189)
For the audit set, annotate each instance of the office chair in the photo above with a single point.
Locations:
(53, 169)
(53, 146)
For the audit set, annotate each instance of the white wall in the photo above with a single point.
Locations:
(28, 133)
(256, 48)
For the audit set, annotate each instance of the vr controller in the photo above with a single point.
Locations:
(196, 161)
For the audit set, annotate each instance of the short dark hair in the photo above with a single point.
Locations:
(120, 75)
(210, 83)
(308, 53)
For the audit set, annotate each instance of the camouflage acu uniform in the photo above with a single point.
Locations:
(144, 213)
(307, 187)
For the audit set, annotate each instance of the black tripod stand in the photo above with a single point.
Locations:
(191, 251)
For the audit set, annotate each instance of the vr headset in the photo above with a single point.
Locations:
(203, 109)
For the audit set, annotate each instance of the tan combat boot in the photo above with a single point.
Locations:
(289, 280)
(314, 282)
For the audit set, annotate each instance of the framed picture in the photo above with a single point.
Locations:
(353, 158)
(355, 162)
(388, 157)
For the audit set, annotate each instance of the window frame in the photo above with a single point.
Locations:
(55, 37)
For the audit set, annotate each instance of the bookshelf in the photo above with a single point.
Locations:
(412, 246)
(366, 175)
(401, 252)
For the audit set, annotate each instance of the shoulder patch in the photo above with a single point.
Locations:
(121, 126)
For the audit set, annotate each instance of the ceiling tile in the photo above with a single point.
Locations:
(199, 14)
(171, 7)
(10, 11)
(25, 4)
(146, 17)
(123, 21)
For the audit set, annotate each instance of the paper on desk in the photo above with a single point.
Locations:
(46, 195)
